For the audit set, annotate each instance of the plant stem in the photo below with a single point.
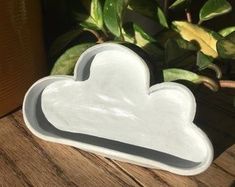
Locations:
(188, 15)
(199, 22)
(100, 39)
(208, 82)
(227, 84)
(217, 70)
(165, 7)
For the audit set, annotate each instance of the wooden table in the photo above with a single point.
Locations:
(25, 160)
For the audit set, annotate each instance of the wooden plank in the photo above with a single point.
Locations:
(80, 167)
(150, 177)
(214, 176)
(85, 169)
(144, 176)
(227, 161)
(111, 169)
(153, 177)
(10, 176)
(115, 164)
(177, 180)
(29, 159)
(141, 176)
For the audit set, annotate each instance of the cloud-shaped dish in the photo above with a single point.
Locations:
(108, 108)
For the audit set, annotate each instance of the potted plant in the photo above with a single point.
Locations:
(181, 50)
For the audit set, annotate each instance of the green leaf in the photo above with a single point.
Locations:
(66, 62)
(177, 50)
(174, 74)
(184, 44)
(163, 36)
(180, 4)
(216, 35)
(205, 39)
(95, 20)
(145, 41)
(134, 34)
(141, 36)
(137, 35)
(89, 25)
(146, 8)
(231, 37)
(86, 21)
(226, 49)
(113, 14)
(150, 9)
(226, 46)
(62, 41)
(204, 61)
(162, 18)
(154, 51)
(226, 31)
(173, 53)
(128, 32)
(96, 13)
(213, 8)
(128, 37)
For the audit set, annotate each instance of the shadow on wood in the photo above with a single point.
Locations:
(216, 117)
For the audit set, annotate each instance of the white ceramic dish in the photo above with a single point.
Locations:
(108, 108)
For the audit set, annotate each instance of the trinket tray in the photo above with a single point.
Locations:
(109, 108)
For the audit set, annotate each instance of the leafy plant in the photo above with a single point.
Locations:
(182, 50)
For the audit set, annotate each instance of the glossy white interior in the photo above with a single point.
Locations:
(110, 101)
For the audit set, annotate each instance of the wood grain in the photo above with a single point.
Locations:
(10, 175)
(26, 160)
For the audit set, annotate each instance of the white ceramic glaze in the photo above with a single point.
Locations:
(108, 108)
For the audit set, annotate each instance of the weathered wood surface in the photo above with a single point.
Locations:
(25, 160)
